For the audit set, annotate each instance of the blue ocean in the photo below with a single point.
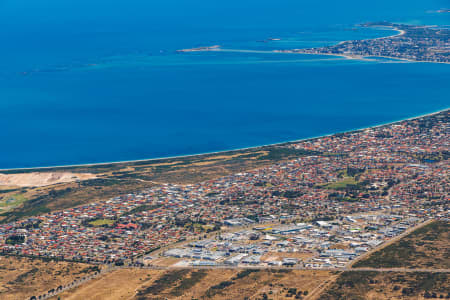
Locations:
(99, 81)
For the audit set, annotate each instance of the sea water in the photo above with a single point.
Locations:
(97, 81)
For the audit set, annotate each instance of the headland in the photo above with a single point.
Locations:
(411, 43)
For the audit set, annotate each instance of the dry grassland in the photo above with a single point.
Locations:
(21, 278)
(180, 284)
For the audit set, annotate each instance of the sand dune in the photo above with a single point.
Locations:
(41, 178)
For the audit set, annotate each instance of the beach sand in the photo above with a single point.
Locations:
(36, 179)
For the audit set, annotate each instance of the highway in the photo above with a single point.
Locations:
(347, 268)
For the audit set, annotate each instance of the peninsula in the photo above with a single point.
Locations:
(413, 43)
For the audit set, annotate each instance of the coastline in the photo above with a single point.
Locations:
(366, 58)
(43, 168)
(217, 48)
(400, 32)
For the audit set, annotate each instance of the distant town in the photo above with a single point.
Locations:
(347, 194)
(415, 43)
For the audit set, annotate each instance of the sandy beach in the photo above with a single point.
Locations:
(38, 179)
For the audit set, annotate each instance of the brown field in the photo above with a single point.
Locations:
(165, 261)
(119, 284)
(374, 286)
(21, 278)
(280, 255)
(198, 284)
(426, 247)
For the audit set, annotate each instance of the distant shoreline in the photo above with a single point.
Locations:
(393, 27)
(43, 168)
(400, 32)
(367, 58)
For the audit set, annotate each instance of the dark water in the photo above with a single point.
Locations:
(84, 82)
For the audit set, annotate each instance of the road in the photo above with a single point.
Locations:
(347, 268)
(322, 286)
